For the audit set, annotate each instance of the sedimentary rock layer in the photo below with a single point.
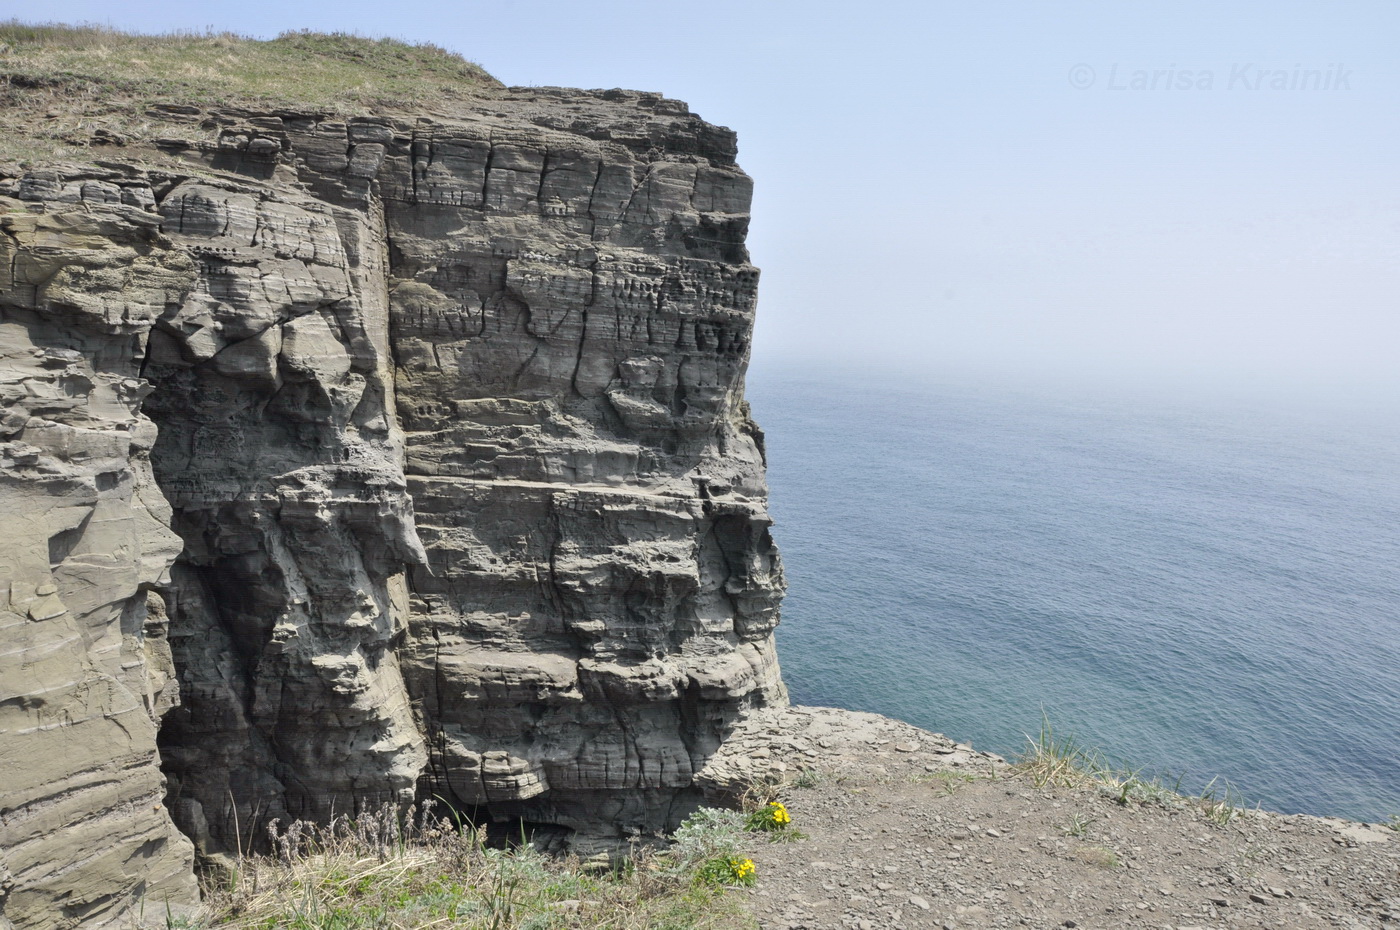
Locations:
(452, 433)
(85, 670)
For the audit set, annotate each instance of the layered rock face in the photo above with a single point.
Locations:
(280, 455)
(85, 670)
(571, 322)
(452, 433)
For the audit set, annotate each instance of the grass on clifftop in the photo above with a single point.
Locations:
(1059, 761)
(91, 66)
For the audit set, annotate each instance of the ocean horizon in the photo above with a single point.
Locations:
(1199, 590)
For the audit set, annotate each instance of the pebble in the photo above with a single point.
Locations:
(919, 902)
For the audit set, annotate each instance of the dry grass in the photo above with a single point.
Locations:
(389, 872)
(1100, 856)
(297, 69)
(1056, 761)
(59, 85)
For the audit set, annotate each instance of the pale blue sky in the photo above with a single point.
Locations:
(947, 185)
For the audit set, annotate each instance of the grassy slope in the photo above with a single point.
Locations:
(335, 71)
(59, 84)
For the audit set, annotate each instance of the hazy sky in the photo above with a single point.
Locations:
(1132, 187)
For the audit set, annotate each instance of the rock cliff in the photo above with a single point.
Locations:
(351, 459)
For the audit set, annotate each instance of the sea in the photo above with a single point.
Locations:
(1203, 590)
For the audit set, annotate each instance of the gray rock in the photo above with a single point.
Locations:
(465, 494)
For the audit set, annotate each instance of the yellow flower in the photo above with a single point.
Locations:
(743, 868)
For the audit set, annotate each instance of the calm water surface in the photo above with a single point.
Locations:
(1196, 589)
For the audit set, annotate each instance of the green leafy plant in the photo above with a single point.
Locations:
(770, 818)
(727, 870)
(706, 834)
(774, 820)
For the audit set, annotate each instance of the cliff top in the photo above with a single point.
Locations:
(61, 83)
(297, 69)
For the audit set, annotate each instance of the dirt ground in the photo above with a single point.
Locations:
(907, 829)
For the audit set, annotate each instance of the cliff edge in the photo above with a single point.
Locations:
(362, 455)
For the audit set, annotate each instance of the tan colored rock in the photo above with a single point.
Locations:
(85, 672)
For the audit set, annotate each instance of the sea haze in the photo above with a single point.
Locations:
(1197, 589)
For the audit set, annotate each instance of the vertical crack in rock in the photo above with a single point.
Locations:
(280, 453)
(452, 434)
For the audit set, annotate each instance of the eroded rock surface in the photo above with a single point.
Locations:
(85, 671)
(777, 745)
(280, 454)
(451, 430)
(571, 323)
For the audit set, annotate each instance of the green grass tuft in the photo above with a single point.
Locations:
(1077, 826)
(948, 780)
